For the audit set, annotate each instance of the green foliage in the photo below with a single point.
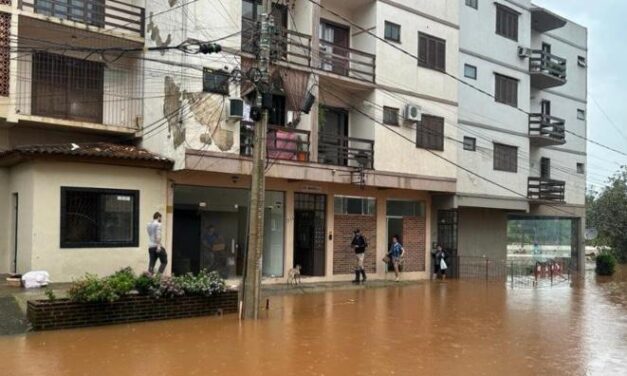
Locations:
(90, 288)
(606, 264)
(168, 288)
(122, 281)
(204, 283)
(607, 212)
(50, 294)
(147, 284)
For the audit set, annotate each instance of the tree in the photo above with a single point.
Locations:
(607, 212)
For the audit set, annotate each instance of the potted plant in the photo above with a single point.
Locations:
(302, 153)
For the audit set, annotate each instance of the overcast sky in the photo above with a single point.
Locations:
(606, 21)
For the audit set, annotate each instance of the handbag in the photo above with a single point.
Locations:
(443, 265)
(386, 259)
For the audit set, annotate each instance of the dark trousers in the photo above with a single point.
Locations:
(153, 256)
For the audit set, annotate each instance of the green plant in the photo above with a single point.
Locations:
(147, 284)
(168, 288)
(50, 294)
(204, 283)
(90, 288)
(606, 264)
(123, 281)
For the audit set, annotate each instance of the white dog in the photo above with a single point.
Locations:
(293, 276)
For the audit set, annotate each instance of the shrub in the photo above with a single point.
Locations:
(122, 281)
(147, 284)
(168, 288)
(606, 264)
(90, 288)
(50, 294)
(204, 283)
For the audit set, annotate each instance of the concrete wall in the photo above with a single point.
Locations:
(39, 185)
(5, 221)
(482, 233)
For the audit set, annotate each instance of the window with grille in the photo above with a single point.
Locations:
(505, 158)
(431, 52)
(390, 116)
(216, 82)
(392, 31)
(472, 3)
(91, 12)
(430, 133)
(506, 90)
(470, 143)
(67, 88)
(507, 22)
(99, 218)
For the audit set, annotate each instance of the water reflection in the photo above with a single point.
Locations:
(443, 328)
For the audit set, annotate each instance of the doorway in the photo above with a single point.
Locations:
(309, 233)
(14, 228)
(335, 41)
(394, 227)
(333, 142)
(447, 238)
(545, 168)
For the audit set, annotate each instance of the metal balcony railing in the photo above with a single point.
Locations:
(347, 61)
(547, 70)
(345, 151)
(543, 189)
(108, 14)
(282, 143)
(546, 130)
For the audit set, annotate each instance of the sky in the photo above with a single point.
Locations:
(607, 79)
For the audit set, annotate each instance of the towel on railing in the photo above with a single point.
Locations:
(282, 145)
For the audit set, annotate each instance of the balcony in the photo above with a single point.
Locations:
(546, 190)
(546, 130)
(115, 17)
(546, 70)
(543, 20)
(287, 45)
(347, 62)
(287, 144)
(346, 151)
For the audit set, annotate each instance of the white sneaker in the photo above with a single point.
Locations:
(397, 279)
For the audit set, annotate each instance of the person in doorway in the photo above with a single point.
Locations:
(155, 247)
(359, 245)
(439, 268)
(213, 253)
(396, 254)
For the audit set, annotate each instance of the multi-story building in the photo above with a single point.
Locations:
(382, 147)
(526, 136)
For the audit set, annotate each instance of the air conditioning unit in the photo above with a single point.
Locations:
(524, 52)
(413, 113)
(236, 108)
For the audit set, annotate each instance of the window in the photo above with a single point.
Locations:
(581, 168)
(505, 158)
(95, 218)
(581, 61)
(470, 143)
(215, 81)
(506, 90)
(91, 12)
(506, 22)
(472, 3)
(392, 31)
(431, 52)
(401, 208)
(278, 111)
(470, 71)
(354, 205)
(67, 88)
(545, 168)
(390, 116)
(581, 114)
(430, 133)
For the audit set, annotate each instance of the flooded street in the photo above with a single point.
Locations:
(442, 328)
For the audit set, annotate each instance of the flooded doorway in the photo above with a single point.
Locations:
(309, 233)
(447, 238)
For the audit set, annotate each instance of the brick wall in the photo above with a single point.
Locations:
(343, 254)
(414, 236)
(64, 314)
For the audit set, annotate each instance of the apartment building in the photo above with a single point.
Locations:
(526, 135)
(74, 191)
(92, 118)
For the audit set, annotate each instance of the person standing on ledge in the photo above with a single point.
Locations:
(359, 244)
(155, 247)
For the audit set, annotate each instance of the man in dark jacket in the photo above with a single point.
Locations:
(359, 244)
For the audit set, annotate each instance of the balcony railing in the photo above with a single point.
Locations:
(543, 189)
(347, 61)
(546, 130)
(345, 151)
(108, 14)
(282, 143)
(546, 70)
(296, 48)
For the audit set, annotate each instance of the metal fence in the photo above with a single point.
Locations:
(514, 273)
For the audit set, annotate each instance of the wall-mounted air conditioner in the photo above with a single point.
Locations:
(524, 52)
(413, 113)
(236, 108)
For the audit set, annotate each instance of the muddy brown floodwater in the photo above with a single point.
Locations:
(451, 328)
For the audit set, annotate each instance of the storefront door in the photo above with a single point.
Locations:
(309, 233)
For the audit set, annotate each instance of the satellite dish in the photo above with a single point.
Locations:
(591, 233)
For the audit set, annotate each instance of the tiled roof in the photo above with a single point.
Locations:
(91, 150)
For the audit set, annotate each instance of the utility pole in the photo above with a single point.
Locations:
(251, 294)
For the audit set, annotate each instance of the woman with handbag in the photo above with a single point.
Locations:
(439, 265)
(395, 255)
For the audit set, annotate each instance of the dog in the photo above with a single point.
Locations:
(293, 276)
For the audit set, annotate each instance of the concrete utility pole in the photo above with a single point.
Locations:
(250, 296)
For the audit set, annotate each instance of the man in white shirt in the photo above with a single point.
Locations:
(155, 248)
